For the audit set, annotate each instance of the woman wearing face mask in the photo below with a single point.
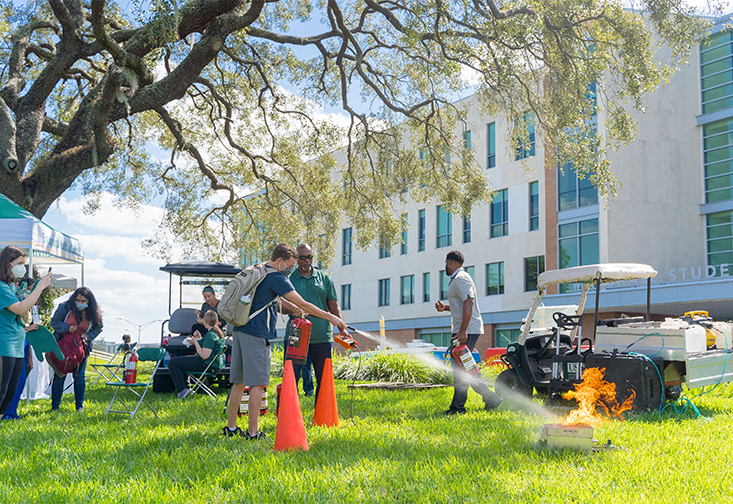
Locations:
(12, 327)
(80, 313)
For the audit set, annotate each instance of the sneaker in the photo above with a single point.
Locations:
(454, 412)
(492, 405)
(184, 393)
(259, 435)
(232, 433)
(80, 410)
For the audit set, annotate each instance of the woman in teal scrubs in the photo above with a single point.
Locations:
(12, 327)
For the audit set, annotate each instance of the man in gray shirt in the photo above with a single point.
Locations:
(467, 327)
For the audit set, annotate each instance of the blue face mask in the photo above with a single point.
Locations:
(288, 270)
(81, 306)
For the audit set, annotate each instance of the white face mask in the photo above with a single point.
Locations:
(18, 271)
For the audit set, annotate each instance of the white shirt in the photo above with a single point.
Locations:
(461, 287)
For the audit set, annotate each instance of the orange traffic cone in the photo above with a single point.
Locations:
(290, 433)
(327, 411)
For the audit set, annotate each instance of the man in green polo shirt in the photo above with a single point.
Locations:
(317, 288)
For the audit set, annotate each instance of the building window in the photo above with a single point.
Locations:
(577, 246)
(495, 278)
(504, 337)
(439, 339)
(573, 191)
(467, 140)
(346, 238)
(384, 292)
(467, 229)
(533, 266)
(720, 238)
(525, 148)
(490, 145)
(716, 72)
(346, 297)
(534, 206)
(407, 289)
(403, 246)
(444, 283)
(471, 270)
(500, 213)
(426, 287)
(384, 249)
(718, 160)
(421, 230)
(444, 228)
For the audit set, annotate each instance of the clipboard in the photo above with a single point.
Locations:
(42, 341)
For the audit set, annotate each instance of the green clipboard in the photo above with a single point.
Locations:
(42, 341)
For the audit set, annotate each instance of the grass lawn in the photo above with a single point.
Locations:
(398, 448)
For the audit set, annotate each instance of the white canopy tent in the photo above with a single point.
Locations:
(44, 246)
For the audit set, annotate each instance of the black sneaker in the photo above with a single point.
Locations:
(454, 412)
(233, 433)
(259, 435)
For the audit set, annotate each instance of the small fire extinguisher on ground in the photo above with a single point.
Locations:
(131, 368)
(298, 339)
(464, 358)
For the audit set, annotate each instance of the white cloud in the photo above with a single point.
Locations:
(110, 218)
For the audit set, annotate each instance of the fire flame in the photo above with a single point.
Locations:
(593, 392)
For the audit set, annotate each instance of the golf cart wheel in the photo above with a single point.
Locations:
(508, 384)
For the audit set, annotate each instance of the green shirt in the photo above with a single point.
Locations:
(317, 289)
(12, 332)
(215, 342)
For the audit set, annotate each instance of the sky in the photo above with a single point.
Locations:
(127, 282)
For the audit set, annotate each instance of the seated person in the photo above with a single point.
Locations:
(210, 303)
(126, 346)
(206, 349)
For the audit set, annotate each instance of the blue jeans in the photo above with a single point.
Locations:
(80, 387)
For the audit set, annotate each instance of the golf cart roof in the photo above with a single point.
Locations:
(610, 272)
(201, 269)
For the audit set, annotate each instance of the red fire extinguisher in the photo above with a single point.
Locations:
(300, 335)
(464, 358)
(131, 368)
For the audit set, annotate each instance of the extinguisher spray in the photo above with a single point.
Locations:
(131, 368)
(300, 335)
(464, 358)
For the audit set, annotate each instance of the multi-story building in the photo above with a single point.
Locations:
(673, 210)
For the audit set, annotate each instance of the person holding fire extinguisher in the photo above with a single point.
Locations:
(315, 287)
(467, 327)
(251, 342)
(80, 313)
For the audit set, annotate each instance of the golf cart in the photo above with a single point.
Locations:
(649, 359)
(550, 358)
(177, 327)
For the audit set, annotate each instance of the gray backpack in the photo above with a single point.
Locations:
(235, 304)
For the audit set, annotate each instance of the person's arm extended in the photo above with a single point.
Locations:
(312, 309)
(333, 307)
(288, 308)
(23, 307)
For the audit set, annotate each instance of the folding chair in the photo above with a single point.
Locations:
(108, 370)
(197, 379)
(145, 354)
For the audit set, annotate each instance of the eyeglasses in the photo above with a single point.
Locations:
(305, 258)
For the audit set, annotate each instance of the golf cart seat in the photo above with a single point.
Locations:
(179, 327)
(541, 346)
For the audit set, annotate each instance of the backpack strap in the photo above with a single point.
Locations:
(268, 304)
